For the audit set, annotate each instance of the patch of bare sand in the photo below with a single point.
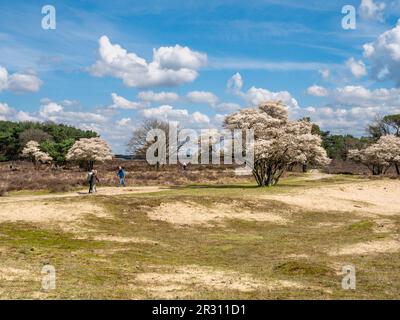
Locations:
(43, 212)
(370, 247)
(119, 239)
(184, 281)
(103, 191)
(190, 213)
(367, 197)
(12, 274)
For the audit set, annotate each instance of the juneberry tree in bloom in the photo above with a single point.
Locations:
(380, 156)
(278, 142)
(89, 151)
(33, 153)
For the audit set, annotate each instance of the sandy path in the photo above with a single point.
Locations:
(103, 191)
(380, 197)
(40, 208)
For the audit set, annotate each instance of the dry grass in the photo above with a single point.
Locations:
(238, 252)
(138, 174)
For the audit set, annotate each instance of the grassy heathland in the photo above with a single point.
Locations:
(236, 253)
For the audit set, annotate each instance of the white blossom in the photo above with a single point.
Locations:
(90, 150)
(279, 142)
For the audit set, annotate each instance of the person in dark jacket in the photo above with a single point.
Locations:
(121, 175)
(92, 179)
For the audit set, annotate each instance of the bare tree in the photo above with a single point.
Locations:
(138, 144)
(389, 124)
(34, 135)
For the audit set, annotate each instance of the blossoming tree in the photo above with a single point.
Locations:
(278, 142)
(32, 152)
(380, 156)
(90, 151)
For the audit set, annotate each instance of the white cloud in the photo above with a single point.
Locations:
(254, 95)
(369, 10)
(124, 122)
(384, 55)
(235, 83)
(227, 107)
(317, 91)
(357, 68)
(19, 82)
(363, 97)
(200, 117)
(25, 116)
(5, 109)
(55, 112)
(160, 97)
(202, 97)
(176, 58)
(352, 108)
(169, 113)
(3, 78)
(122, 103)
(50, 108)
(165, 112)
(325, 73)
(171, 66)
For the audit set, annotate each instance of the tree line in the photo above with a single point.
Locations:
(53, 139)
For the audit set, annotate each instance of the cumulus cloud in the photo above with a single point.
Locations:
(324, 73)
(171, 66)
(19, 82)
(317, 91)
(235, 83)
(159, 97)
(384, 55)
(370, 10)
(122, 103)
(200, 117)
(25, 116)
(357, 68)
(124, 122)
(352, 108)
(55, 112)
(254, 95)
(3, 78)
(202, 97)
(227, 107)
(169, 113)
(5, 109)
(363, 97)
(165, 112)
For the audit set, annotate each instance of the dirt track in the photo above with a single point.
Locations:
(365, 197)
(103, 191)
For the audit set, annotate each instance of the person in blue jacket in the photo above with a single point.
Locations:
(121, 175)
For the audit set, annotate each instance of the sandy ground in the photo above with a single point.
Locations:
(189, 213)
(380, 197)
(42, 208)
(103, 191)
(39, 211)
(370, 247)
(185, 280)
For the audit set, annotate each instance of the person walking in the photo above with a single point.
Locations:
(92, 179)
(121, 175)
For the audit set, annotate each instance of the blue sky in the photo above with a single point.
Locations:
(110, 65)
